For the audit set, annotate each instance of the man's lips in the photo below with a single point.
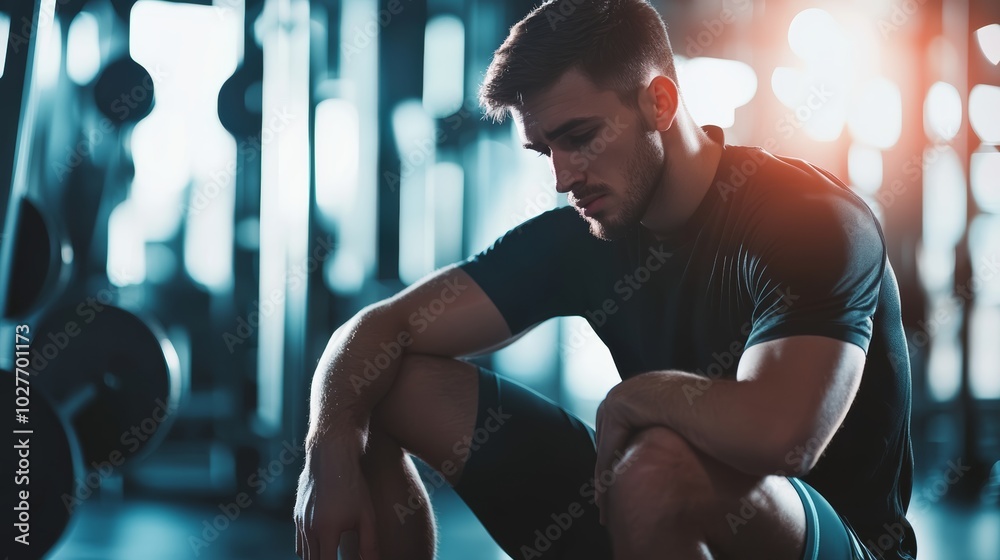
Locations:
(583, 203)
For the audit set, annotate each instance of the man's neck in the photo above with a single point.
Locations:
(693, 161)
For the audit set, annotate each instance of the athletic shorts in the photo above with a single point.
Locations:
(529, 480)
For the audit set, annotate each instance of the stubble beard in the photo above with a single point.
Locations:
(643, 173)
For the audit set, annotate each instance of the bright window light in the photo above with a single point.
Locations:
(344, 272)
(530, 359)
(48, 61)
(989, 41)
(984, 246)
(944, 363)
(589, 370)
(942, 112)
(83, 49)
(181, 147)
(444, 64)
(815, 104)
(984, 351)
(414, 133)
(126, 246)
(338, 133)
(944, 197)
(714, 88)
(983, 113)
(816, 37)
(413, 130)
(864, 167)
(985, 176)
(447, 187)
(877, 116)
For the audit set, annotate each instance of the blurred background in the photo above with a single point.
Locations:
(195, 194)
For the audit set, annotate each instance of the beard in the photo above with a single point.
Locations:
(643, 172)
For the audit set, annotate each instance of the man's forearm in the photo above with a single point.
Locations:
(737, 422)
(353, 375)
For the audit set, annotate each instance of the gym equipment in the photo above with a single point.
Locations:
(124, 91)
(41, 260)
(240, 100)
(104, 388)
(55, 465)
(114, 377)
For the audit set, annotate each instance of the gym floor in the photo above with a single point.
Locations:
(163, 531)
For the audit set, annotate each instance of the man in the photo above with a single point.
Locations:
(747, 301)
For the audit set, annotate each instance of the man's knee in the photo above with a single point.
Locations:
(405, 387)
(430, 408)
(659, 474)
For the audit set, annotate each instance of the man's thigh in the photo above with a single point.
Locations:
(529, 475)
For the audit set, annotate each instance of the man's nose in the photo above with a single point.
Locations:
(568, 173)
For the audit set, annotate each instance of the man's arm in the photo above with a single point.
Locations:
(777, 417)
(444, 314)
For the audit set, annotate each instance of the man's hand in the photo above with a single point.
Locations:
(333, 499)
(616, 422)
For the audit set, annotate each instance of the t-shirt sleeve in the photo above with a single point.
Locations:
(818, 269)
(532, 272)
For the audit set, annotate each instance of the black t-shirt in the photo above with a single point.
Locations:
(777, 248)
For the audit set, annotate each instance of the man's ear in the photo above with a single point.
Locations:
(658, 103)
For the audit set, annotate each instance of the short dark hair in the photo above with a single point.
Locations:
(613, 42)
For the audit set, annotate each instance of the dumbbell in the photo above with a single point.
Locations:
(113, 383)
(114, 376)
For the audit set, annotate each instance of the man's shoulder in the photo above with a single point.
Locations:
(563, 223)
(556, 233)
(788, 190)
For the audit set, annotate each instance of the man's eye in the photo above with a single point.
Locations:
(581, 139)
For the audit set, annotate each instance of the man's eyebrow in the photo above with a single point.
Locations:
(559, 131)
(567, 126)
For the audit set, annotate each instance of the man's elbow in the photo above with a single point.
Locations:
(797, 455)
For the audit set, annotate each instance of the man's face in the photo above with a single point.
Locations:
(600, 151)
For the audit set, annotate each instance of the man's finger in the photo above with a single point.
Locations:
(368, 535)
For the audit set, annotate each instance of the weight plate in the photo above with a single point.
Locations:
(113, 375)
